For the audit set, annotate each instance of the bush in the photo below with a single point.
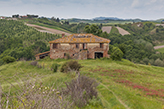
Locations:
(82, 90)
(54, 67)
(158, 62)
(146, 61)
(1, 62)
(117, 54)
(68, 56)
(70, 66)
(34, 63)
(32, 94)
(8, 59)
(151, 61)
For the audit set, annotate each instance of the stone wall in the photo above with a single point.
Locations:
(79, 53)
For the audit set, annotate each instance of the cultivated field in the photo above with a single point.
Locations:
(158, 47)
(48, 30)
(106, 29)
(122, 31)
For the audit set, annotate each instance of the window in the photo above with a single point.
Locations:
(77, 45)
(64, 54)
(101, 45)
(55, 45)
(84, 46)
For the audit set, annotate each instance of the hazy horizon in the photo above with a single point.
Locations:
(86, 9)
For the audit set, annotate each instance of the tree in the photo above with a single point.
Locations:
(158, 62)
(8, 59)
(117, 54)
(57, 20)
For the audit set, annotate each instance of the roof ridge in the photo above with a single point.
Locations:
(81, 38)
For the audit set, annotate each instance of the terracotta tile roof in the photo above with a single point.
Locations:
(81, 38)
(42, 53)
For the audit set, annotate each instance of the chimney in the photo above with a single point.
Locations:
(63, 35)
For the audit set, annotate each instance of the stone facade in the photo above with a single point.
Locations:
(78, 51)
(77, 46)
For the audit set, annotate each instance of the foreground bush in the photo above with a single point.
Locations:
(35, 63)
(8, 59)
(70, 66)
(82, 90)
(54, 67)
(33, 95)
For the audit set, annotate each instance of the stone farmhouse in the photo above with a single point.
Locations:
(77, 46)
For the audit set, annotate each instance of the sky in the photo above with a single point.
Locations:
(86, 9)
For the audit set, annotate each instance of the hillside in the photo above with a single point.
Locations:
(21, 41)
(122, 84)
(62, 25)
(49, 30)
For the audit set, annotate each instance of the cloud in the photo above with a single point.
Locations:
(147, 9)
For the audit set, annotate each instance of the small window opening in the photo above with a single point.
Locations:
(101, 45)
(77, 45)
(55, 45)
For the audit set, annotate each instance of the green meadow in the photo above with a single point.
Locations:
(161, 50)
(122, 84)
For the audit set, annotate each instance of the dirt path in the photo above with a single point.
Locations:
(157, 47)
(122, 31)
(48, 30)
(106, 29)
(115, 96)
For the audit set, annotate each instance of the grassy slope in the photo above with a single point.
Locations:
(161, 50)
(114, 30)
(122, 84)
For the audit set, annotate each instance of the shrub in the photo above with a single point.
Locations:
(151, 61)
(32, 94)
(82, 90)
(8, 59)
(158, 62)
(68, 56)
(116, 54)
(146, 60)
(34, 63)
(1, 62)
(70, 66)
(54, 67)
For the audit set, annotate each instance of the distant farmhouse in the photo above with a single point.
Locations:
(2, 17)
(77, 46)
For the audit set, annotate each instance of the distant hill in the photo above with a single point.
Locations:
(107, 18)
(159, 20)
(104, 20)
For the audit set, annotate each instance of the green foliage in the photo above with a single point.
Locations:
(8, 59)
(116, 54)
(1, 62)
(54, 66)
(70, 66)
(21, 41)
(146, 61)
(158, 62)
(94, 29)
